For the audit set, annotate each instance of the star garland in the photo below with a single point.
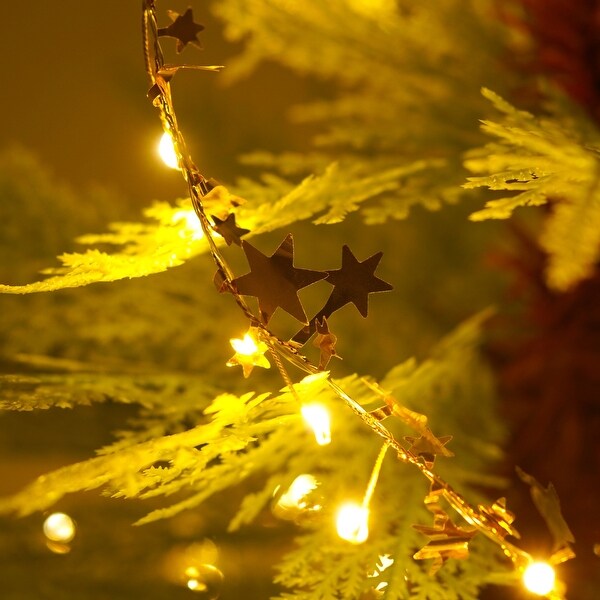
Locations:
(275, 281)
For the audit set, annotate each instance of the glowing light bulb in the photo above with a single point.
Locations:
(191, 223)
(539, 578)
(317, 417)
(297, 492)
(205, 580)
(166, 151)
(246, 346)
(59, 527)
(352, 523)
(249, 353)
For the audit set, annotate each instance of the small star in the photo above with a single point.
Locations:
(229, 230)
(502, 516)
(248, 354)
(547, 502)
(447, 540)
(325, 341)
(275, 281)
(183, 29)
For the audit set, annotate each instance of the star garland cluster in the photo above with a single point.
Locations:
(275, 281)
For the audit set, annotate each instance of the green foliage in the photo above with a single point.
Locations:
(399, 70)
(539, 160)
(173, 235)
(393, 137)
(250, 436)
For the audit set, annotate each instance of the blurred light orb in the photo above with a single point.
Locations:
(317, 417)
(539, 578)
(59, 527)
(166, 151)
(204, 580)
(191, 223)
(295, 497)
(352, 523)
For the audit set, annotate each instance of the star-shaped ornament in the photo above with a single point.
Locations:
(249, 353)
(325, 341)
(183, 28)
(547, 502)
(275, 281)
(502, 517)
(351, 284)
(447, 540)
(429, 446)
(229, 230)
(354, 282)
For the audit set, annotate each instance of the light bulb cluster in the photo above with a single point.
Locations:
(352, 518)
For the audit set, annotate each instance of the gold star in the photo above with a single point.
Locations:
(325, 341)
(447, 540)
(249, 353)
(183, 28)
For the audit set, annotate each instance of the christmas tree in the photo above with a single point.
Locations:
(347, 366)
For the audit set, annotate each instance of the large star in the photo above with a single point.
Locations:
(183, 29)
(351, 284)
(354, 282)
(275, 281)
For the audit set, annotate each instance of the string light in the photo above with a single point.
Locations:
(154, 63)
(246, 346)
(59, 527)
(539, 578)
(295, 496)
(352, 522)
(316, 416)
(166, 151)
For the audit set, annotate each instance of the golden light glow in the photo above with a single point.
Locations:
(249, 353)
(539, 578)
(352, 523)
(295, 497)
(59, 527)
(191, 222)
(166, 151)
(246, 346)
(373, 8)
(317, 417)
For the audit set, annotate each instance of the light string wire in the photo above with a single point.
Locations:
(198, 187)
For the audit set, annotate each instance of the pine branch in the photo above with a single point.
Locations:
(540, 160)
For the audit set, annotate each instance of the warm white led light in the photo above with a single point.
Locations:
(539, 578)
(317, 417)
(353, 523)
(59, 527)
(166, 150)
(246, 346)
(295, 496)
